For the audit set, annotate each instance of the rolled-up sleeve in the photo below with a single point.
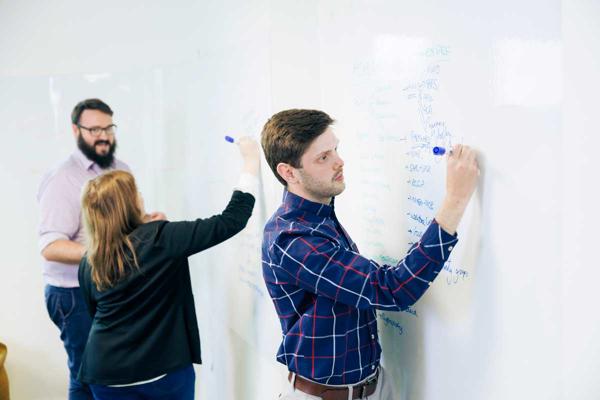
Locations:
(247, 183)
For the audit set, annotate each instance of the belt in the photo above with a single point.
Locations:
(325, 392)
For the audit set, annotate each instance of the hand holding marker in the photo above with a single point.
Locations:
(250, 153)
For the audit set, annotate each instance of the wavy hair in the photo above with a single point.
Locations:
(111, 211)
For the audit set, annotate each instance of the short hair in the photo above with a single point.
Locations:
(287, 134)
(89, 104)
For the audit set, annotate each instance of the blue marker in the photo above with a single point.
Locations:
(230, 139)
(439, 151)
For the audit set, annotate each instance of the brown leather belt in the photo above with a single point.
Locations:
(325, 392)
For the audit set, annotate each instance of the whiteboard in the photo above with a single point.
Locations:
(413, 80)
(400, 80)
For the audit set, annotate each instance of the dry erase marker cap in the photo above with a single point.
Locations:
(230, 139)
(439, 150)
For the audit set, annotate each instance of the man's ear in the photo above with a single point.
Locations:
(287, 172)
(75, 129)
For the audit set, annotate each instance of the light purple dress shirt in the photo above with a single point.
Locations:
(59, 197)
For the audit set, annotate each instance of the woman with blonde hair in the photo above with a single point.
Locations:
(136, 282)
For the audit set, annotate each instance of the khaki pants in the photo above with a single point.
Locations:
(384, 390)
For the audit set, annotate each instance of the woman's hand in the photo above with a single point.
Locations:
(250, 152)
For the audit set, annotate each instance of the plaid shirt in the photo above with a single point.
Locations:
(326, 293)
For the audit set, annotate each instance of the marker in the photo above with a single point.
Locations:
(439, 151)
(230, 139)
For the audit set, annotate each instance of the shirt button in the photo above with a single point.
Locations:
(372, 367)
(372, 336)
(450, 248)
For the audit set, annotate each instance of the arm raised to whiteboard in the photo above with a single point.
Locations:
(185, 238)
(461, 180)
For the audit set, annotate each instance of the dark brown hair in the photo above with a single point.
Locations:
(287, 135)
(89, 104)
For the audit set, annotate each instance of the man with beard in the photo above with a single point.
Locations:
(325, 292)
(61, 234)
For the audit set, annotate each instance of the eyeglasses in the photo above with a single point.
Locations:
(96, 130)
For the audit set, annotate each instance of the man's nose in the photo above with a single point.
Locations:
(339, 162)
(103, 135)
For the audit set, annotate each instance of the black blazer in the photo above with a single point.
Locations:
(145, 325)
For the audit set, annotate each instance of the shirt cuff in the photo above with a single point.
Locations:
(436, 243)
(46, 238)
(247, 183)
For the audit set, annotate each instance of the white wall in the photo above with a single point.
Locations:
(581, 196)
(36, 362)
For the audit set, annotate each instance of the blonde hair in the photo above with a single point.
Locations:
(111, 211)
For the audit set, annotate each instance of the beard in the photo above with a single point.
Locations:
(103, 161)
(321, 188)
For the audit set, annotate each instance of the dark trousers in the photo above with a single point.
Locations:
(69, 313)
(178, 385)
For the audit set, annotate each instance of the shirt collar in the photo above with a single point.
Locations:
(82, 159)
(89, 164)
(291, 200)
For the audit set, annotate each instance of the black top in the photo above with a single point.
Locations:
(145, 325)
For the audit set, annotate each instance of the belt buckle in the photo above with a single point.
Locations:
(363, 388)
(361, 392)
(370, 380)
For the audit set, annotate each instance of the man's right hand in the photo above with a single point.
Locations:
(461, 179)
(155, 216)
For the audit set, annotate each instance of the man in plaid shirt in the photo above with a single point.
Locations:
(325, 292)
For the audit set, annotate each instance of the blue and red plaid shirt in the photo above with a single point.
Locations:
(326, 293)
